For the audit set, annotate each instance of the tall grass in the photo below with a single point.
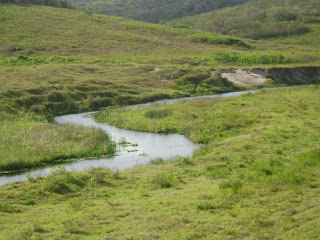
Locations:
(158, 113)
(26, 144)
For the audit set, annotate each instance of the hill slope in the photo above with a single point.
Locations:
(56, 61)
(259, 19)
(154, 11)
(256, 177)
(52, 3)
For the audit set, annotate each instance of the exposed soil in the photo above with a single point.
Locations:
(247, 77)
(258, 77)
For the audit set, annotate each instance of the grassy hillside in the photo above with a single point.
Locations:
(261, 19)
(61, 60)
(52, 3)
(154, 11)
(256, 177)
(58, 61)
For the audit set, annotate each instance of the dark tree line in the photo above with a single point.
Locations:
(52, 3)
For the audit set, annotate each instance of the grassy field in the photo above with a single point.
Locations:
(260, 19)
(25, 142)
(51, 64)
(256, 177)
(153, 11)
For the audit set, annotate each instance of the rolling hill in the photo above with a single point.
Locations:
(153, 10)
(256, 176)
(52, 3)
(62, 60)
(259, 19)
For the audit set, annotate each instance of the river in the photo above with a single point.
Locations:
(142, 149)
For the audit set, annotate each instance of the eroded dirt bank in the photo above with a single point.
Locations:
(259, 77)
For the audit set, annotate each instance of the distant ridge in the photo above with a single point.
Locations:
(258, 19)
(52, 3)
(154, 11)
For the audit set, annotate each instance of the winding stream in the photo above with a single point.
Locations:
(143, 148)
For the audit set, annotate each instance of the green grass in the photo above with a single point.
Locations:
(153, 11)
(253, 59)
(55, 67)
(158, 113)
(256, 177)
(52, 3)
(26, 143)
(259, 19)
(59, 69)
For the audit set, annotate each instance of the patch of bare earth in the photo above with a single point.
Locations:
(247, 77)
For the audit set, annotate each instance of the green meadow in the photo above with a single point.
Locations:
(256, 177)
(259, 19)
(26, 142)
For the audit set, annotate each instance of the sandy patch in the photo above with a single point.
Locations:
(247, 77)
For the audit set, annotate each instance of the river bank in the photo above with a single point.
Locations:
(257, 176)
